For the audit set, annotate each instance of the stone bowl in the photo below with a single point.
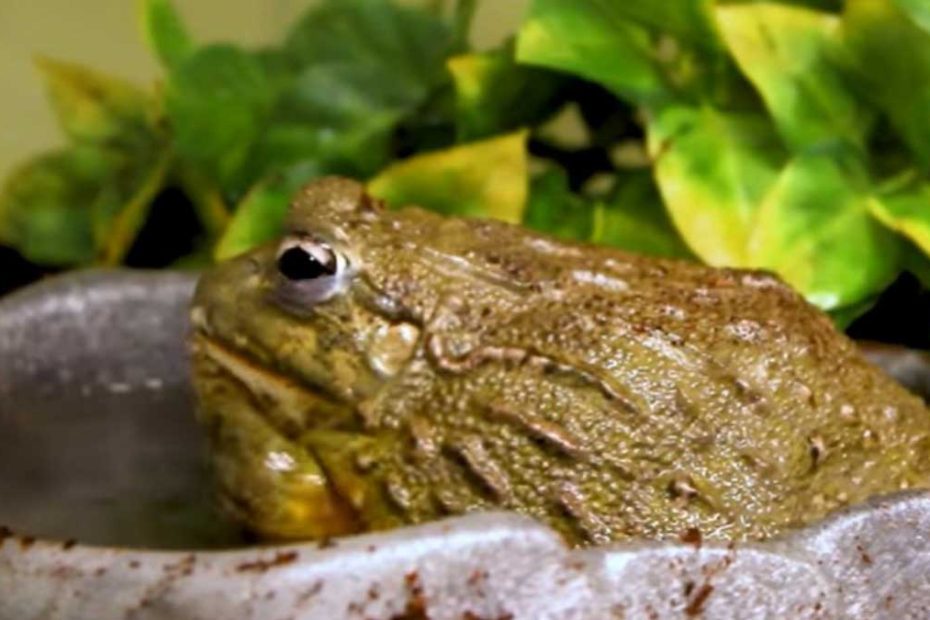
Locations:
(106, 509)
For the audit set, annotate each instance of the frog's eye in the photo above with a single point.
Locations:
(306, 260)
(311, 271)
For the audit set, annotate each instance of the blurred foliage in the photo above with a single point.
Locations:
(792, 135)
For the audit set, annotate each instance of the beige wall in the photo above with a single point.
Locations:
(105, 34)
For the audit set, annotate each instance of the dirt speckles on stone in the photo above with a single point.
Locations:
(692, 536)
(697, 600)
(281, 558)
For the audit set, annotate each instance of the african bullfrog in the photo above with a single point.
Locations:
(378, 367)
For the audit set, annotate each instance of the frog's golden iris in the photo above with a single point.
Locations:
(376, 368)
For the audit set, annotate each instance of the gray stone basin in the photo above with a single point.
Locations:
(106, 510)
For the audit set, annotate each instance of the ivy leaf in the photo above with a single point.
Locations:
(44, 206)
(917, 10)
(890, 57)
(259, 218)
(357, 69)
(690, 21)
(479, 179)
(496, 95)
(338, 119)
(166, 33)
(218, 101)
(907, 212)
(554, 209)
(713, 170)
(815, 230)
(95, 108)
(786, 52)
(635, 220)
(409, 46)
(594, 40)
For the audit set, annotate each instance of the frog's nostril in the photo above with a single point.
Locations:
(295, 263)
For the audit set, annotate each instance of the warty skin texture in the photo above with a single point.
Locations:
(466, 365)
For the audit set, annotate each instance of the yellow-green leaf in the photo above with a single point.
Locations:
(496, 95)
(713, 170)
(481, 179)
(815, 230)
(93, 107)
(786, 52)
(906, 212)
(132, 197)
(207, 198)
(45, 205)
(258, 218)
(917, 10)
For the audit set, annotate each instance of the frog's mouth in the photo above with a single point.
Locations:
(291, 405)
(254, 419)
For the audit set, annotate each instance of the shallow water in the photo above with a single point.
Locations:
(98, 441)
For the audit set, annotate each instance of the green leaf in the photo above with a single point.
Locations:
(259, 218)
(218, 101)
(165, 32)
(554, 209)
(906, 212)
(816, 232)
(45, 206)
(359, 67)
(405, 48)
(479, 179)
(890, 58)
(95, 108)
(594, 40)
(917, 10)
(495, 95)
(337, 118)
(635, 220)
(690, 21)
(786, 52)
(713, 170)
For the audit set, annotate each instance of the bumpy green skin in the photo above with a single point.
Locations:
(475, 365)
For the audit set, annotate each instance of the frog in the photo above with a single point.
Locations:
(382, 367)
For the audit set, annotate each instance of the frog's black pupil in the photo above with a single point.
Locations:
(297, 264)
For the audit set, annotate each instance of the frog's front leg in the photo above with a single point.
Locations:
(361, 470)
(266, 479)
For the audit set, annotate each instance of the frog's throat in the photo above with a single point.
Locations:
(268, 478)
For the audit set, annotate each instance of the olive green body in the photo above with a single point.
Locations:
(474, 365)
